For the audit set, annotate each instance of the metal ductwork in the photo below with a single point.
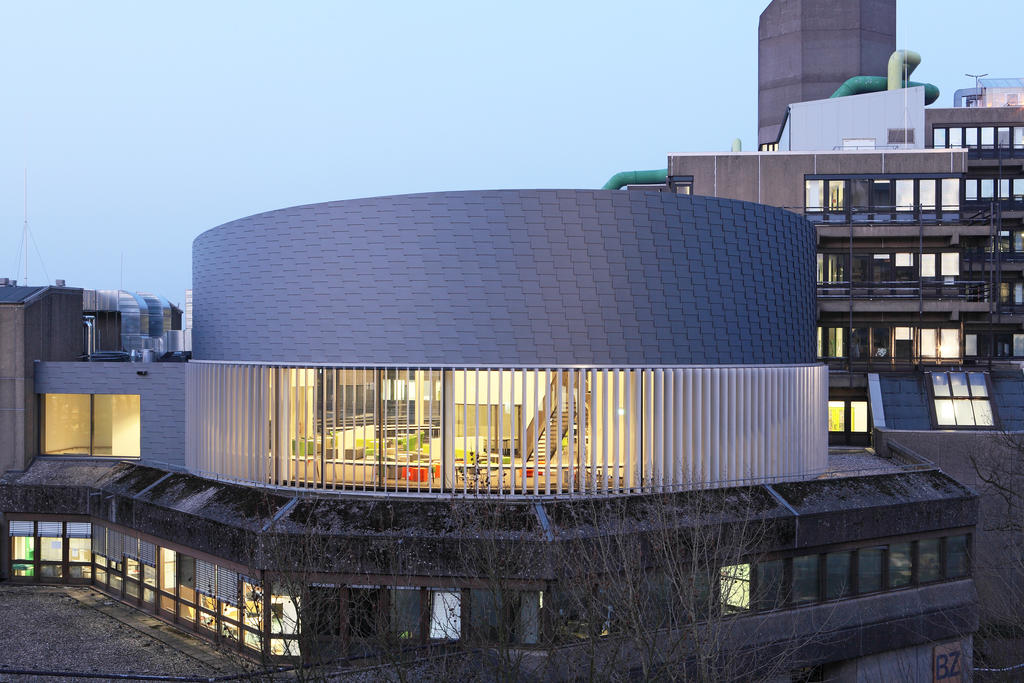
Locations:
(623, 178)
(901, 64)
(138, 322)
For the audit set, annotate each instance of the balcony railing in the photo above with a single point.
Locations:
(994, 152)
(959, 290)
(895, 215)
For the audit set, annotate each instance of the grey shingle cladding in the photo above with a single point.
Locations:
(509, 277)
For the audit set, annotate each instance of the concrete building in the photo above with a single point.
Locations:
(808, 48)
(37, 323)
(574, 430)
(439, 456)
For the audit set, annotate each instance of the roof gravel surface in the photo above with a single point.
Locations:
(55, 628)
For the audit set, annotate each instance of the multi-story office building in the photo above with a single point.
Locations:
(918, 214)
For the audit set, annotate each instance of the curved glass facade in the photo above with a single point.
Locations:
(484, 430)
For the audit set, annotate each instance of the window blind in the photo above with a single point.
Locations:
(21, 529)
(79, 530)
(227, 586)
(115, 545)
(131, 547)
(49, 529)
(147, 553)
(99, 541)
(206, 578)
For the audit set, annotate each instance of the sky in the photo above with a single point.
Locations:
(141, 125)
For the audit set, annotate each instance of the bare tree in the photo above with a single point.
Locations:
(998, 553)
(658, 587)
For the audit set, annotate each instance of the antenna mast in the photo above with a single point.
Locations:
(24, 230)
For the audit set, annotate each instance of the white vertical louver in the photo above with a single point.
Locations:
(580, 430)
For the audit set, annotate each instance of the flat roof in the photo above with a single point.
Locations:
(821, 151)
(17, 295)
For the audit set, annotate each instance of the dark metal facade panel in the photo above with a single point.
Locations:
(16, 295)
(509, 277)
(161, 392)
(905, 401)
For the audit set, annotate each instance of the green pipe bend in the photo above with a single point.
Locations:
(623, 178)
(858, 85)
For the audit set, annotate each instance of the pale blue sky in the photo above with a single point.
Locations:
(144, 124)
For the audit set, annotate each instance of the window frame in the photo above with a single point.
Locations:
(970, 397)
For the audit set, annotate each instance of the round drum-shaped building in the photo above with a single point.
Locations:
(539, 342)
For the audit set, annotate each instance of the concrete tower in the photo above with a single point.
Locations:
(807, 48)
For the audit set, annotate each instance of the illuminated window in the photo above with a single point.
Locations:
(445, 614)
(950, 194)
(836, 191)
(734, 588)
(927, 265)
(814, 191)
(858, 416)
(904, 195)
(830, 342)
(940, 343)
(926, 190)
(961, 399)
(836, 416)
(91, 424)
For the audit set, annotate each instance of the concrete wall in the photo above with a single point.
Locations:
(509, 277)
(823, 125)
(807, 48)
(947, 661)
(47, 326)
(161, 391)
(998, 566)
(776, 178)
(971, 116)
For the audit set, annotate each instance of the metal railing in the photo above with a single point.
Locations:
(995, 152)
(959, 290)
(897, 215)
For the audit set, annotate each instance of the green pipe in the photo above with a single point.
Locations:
(901, 64)
(858, 85)
(623, 178)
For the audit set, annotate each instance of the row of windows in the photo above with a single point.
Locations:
(882, 194)
(974, 136)
(882, 343)
(885, 343)
(887, 266)
(978, 189)
(804, 579)
(230, 608)
(994, 344)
